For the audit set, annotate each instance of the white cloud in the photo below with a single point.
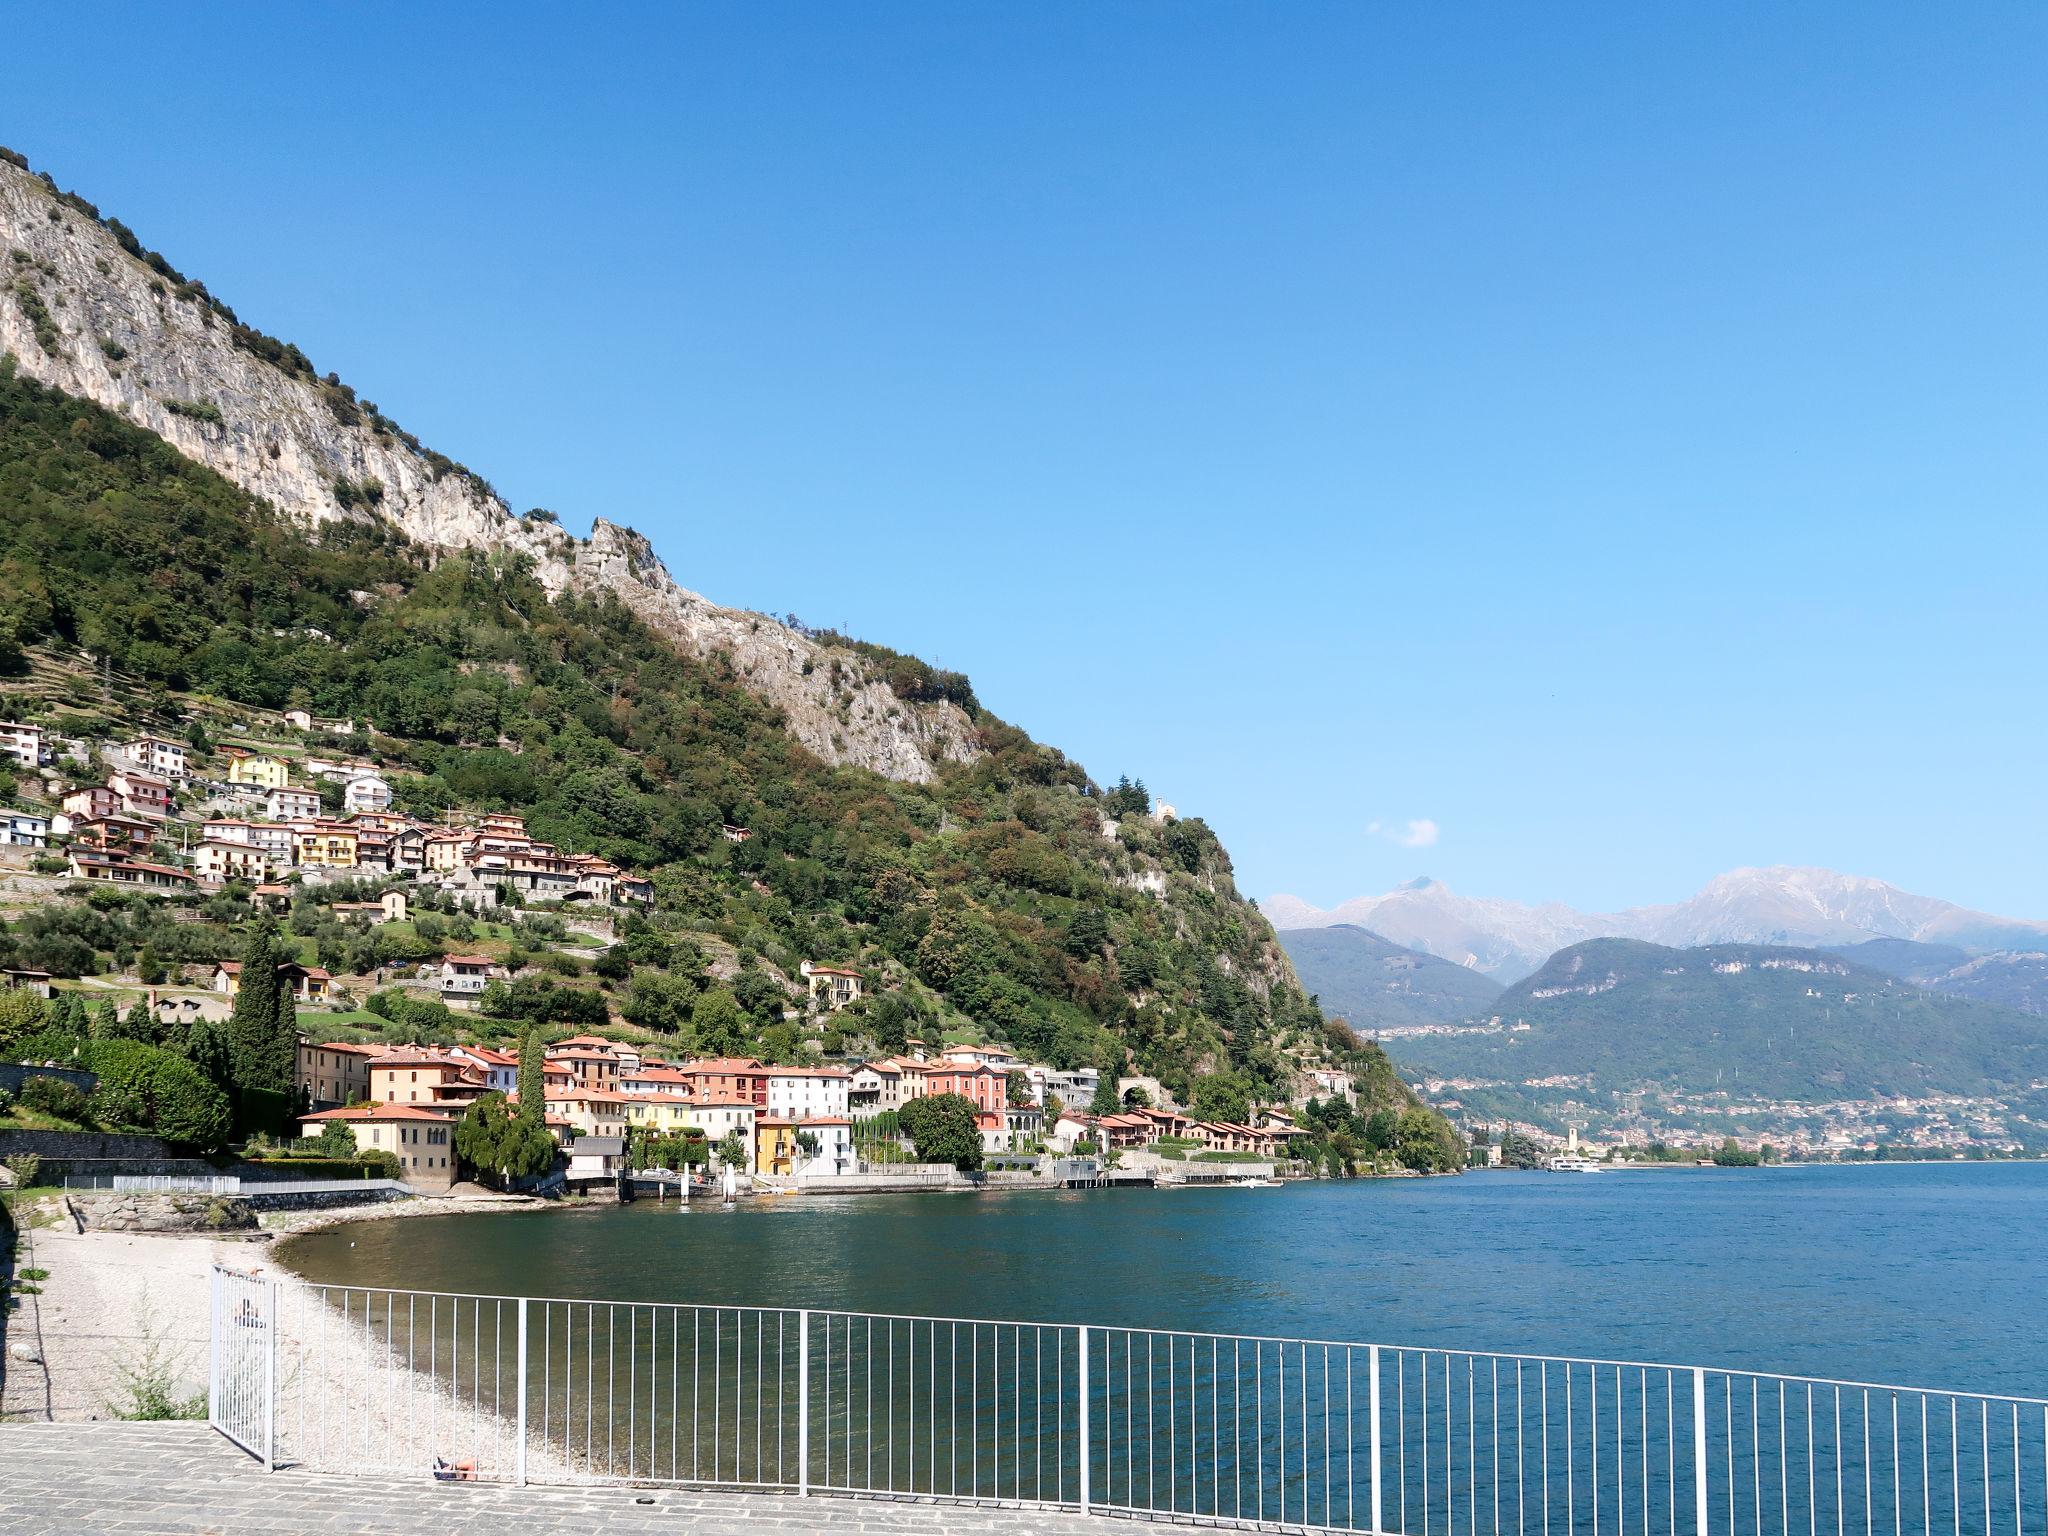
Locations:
(1419, 832)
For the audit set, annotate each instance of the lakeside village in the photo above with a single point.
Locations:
(381, 954)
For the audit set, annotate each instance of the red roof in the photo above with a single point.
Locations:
(378, 1112)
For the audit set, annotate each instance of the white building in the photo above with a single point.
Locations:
(366, 792)
(21, 744)
(218, 862)
(291, 804)
(158, 755)
(24, 829)
(801, 1093)
(835, 1146)
(1075, 1089)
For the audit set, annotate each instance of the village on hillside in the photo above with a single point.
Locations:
(405, 933)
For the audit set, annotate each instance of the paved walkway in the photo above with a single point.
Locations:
(105, 1477)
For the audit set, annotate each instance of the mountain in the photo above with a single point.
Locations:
(2011, 978)
(1379, 987)
(93, 313)
(1781, 905)
(200, 527)
(1738, 1036)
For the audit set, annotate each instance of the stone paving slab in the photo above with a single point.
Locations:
(184, 1478)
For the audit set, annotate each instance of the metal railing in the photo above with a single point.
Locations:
(221, 1184)
(1222, 1429)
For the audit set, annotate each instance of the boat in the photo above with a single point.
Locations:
(1572, 1162)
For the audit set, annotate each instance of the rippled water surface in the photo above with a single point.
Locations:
(1929, 1274)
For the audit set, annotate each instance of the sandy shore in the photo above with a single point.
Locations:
(114, 1303)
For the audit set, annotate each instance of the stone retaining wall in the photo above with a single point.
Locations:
(178, 1211)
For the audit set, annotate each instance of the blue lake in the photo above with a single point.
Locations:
(1933, 1275)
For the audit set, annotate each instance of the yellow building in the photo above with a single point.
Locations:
(775, 1148)
(325, 845)
(264, 772)
(422, 1141)
(665, 1114)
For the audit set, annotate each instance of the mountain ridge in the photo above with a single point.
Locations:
(1780, 904)
(86, 309)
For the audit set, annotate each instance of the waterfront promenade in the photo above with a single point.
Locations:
(98, 1477)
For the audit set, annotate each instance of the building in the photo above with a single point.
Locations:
(114, 834)
(592, 1060)
(596, 1158)
(287, 804)
(830, 985)
(500, 1069)
(22, 745)
(592, 1111)
(259, 770)
(272, 837)
(118, 869)
(663, 1114)
(37, 982)
(875, 1088)
(366, 792)
(720, 1116)
(779, 1146)
(24, 829)
(428, 1078)
(986, 1089)
(158, 756)
(324, 845)
(334, 1073)
(216, 863)
(90, 801)
(803, 1093)
(1331, 1083)
(1025, 1123)
(141, 794)
(1070, 1088)
(309, 983)
(422, 1141)
(298, 719)
(728, 1077)
(464, 977)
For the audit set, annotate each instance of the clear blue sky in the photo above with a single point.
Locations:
(1613, 434)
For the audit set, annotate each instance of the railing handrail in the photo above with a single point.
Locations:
(1291, 1341)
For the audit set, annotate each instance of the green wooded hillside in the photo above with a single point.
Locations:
(989, 893)
(1754, 1021)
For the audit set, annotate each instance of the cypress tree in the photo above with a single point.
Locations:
(105, 1023)
(532, 1080)
(252, 1027)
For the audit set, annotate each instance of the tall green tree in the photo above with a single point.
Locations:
(264, 1012)
(941, 1127)
(532, 1080)
(717, 1026)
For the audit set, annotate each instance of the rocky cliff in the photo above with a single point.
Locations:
(85, 308)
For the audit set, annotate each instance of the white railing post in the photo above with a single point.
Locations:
(1373, 1408)
(803, 1403)
(213, 1349)
(270, 1379)
(1699, 1451)
(1084, 1420)
(522, 1391)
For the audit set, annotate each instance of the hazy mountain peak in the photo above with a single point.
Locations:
(1777, 904)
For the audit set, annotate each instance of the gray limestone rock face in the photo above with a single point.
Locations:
(79, 313)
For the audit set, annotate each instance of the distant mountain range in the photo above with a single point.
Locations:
(1378, 986)
(1740, 1037)
(1783, 905)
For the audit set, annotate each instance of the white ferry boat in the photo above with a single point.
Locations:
(1572, 1162)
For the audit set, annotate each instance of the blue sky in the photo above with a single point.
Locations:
(1612, 435)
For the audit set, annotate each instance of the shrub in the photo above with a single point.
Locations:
(26, 1168)
(57, 1097)
(195, 410)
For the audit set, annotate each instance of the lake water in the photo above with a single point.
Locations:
(1927, 1274)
